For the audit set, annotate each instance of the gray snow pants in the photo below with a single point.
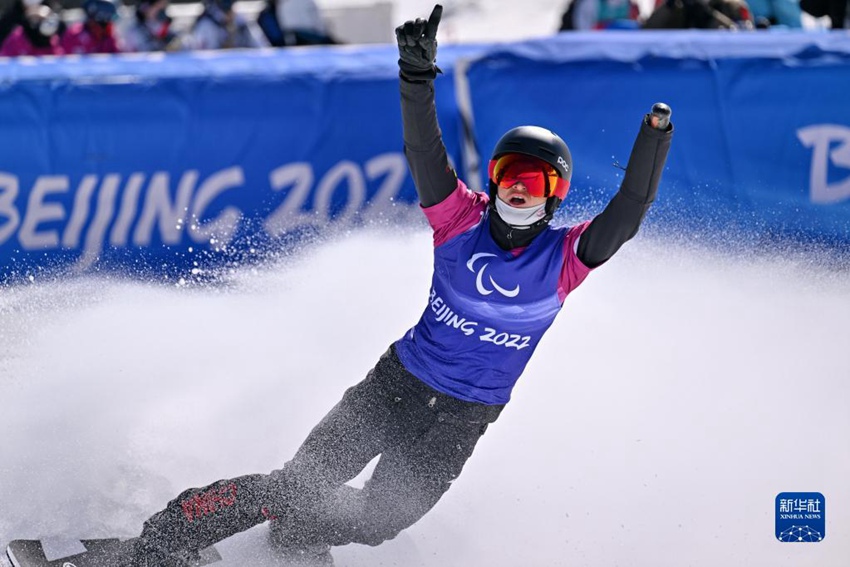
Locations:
(423, 438)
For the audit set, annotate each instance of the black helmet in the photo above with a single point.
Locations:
(540, 143)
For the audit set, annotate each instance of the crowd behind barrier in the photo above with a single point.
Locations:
(177, 162)
(56, 27)
(45, 27)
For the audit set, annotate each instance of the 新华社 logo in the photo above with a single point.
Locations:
(830, 145)
(800, 517)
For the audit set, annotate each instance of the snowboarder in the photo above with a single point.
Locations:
(433, 393)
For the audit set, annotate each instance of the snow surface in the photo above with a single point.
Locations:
(730, 384)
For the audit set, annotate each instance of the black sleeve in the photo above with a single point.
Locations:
(423, 143)
(621, 219)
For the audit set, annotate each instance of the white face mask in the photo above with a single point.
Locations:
(515, 216)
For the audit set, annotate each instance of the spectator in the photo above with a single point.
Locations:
(150, 29)
(219, 27)
(37, 34)
(293, 22)
(701, 14)
(600, 15)
(96, 34)
(835, 9)
(11, 18)
(776, 13)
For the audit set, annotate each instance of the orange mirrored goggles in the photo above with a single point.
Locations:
(539, 177)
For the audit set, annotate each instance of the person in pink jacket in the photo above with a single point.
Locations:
(96, 34)
(38, 33)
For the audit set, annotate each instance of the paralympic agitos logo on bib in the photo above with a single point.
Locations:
(480, 283)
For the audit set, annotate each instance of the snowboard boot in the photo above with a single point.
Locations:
(198, 518)
(141, 553)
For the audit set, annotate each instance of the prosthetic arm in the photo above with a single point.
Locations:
(620, 220)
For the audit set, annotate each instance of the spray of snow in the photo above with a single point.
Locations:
(677, 394)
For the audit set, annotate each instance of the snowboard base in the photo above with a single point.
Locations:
(58, 552)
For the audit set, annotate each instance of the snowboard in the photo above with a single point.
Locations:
(60, 552)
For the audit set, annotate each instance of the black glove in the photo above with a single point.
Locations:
(417, 47)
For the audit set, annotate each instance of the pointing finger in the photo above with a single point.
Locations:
(433, 22)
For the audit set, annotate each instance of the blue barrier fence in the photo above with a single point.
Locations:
(763, 123)
(151, 159)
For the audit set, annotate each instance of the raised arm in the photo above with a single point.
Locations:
(423, 140)
(620, 220)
